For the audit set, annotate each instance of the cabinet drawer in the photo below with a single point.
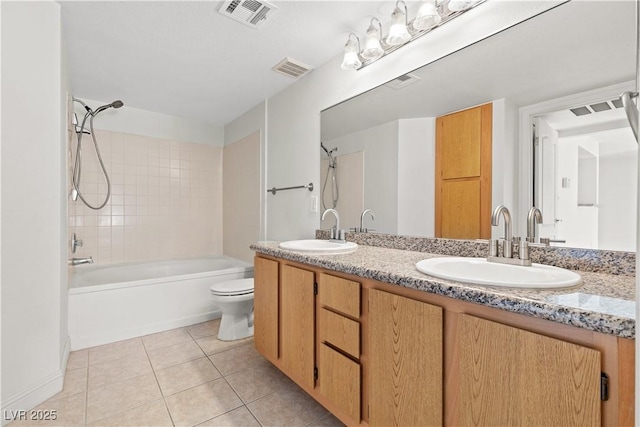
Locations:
(340, 381)
(340, 332)
(340, 294)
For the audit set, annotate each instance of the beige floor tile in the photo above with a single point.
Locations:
(152, 414)
(253, 383)
(240, 417)
(166, 338)
(173, 355)
(68, 411)
(328, 421)
(116, 350)
(237, 359)
(75, 381)
(186, 375)
(212, 345)
(205, 329)
(108, 373)
(78, 359)
(121, 396)
(202, 403)
(291, 408)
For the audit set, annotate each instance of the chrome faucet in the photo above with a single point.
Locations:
(366, 211)
(336, 232)
(533, 217)
(75, 243)
(495, 219)
(78, 261)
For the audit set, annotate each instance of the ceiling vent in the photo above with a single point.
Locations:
(292, 68)
(402, 81)
(250, 12)
(596, 108)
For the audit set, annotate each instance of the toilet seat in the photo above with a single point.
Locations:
(233, 287)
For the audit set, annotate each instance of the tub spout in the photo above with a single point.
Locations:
(78, 261)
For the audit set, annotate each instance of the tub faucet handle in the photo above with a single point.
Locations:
(75, 243)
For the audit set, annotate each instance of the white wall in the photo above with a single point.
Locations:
(416, 176)
(293, 116)
(34, 333)
(135, 121)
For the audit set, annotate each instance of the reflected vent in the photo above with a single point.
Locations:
(250, 12)
(596, 108)
(402, 81)
(292, 68)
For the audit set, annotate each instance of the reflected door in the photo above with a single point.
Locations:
(463, 174)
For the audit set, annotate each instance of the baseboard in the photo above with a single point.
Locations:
(82, 342)
(29, 399)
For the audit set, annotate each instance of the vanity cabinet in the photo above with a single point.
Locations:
(512, 377)
(406, 367)
(377, 354)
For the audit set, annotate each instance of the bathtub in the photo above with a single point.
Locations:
(115, 302)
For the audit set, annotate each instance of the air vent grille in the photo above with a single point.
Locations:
(292, 68)
(402, 81)
(596, 108)
(252, 13)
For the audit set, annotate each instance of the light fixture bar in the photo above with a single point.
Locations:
(415, 34)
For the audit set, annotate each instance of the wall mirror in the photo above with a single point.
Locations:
(383, 140)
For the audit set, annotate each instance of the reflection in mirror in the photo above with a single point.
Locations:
(391, 129)
(585, 176)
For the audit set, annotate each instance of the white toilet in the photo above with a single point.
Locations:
(235, 300)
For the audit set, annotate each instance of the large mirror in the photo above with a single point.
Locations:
(378, 148)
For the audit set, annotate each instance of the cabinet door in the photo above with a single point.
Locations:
(339, 379)
(511, 377)
(405, 371)
(265, 308)
(297, 314)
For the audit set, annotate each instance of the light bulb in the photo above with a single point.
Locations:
(372, 47)
(458, 5)
(398, 33)
(351, 60)
(427, 17)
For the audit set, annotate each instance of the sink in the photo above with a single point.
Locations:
(481, 272)
(319, 247)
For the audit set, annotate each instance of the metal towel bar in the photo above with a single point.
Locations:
(274, 189)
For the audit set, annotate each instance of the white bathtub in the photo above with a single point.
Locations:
(116, 302)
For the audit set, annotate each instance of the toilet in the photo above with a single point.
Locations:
(235, 300)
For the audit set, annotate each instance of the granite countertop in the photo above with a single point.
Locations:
(602, 302)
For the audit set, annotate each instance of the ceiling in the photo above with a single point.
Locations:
(183, 58)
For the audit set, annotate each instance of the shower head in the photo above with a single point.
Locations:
(114, 104)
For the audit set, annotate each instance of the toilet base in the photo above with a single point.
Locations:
(235, 327)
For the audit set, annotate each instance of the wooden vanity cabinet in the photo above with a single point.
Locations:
(405, 361)
(379, 354)
(512, 377)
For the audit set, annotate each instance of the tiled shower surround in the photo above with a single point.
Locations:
(166, 199)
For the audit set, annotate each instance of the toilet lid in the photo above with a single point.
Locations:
(233, 287)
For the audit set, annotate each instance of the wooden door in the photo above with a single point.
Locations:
(405, 371)
(265, 308)
(297, 320)
(463, 174)
(511, 377)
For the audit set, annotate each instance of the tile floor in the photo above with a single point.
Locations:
(181, 377)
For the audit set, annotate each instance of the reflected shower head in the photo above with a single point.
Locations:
(114, 104)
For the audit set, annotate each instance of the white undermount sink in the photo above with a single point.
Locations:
(481, 272)
(316, 246)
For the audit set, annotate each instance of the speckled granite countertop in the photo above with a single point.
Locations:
(603, 302)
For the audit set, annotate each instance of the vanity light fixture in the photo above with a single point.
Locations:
(373, 41)
(431, 14)
(427, 16)
(351, 59)
(398, 32)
